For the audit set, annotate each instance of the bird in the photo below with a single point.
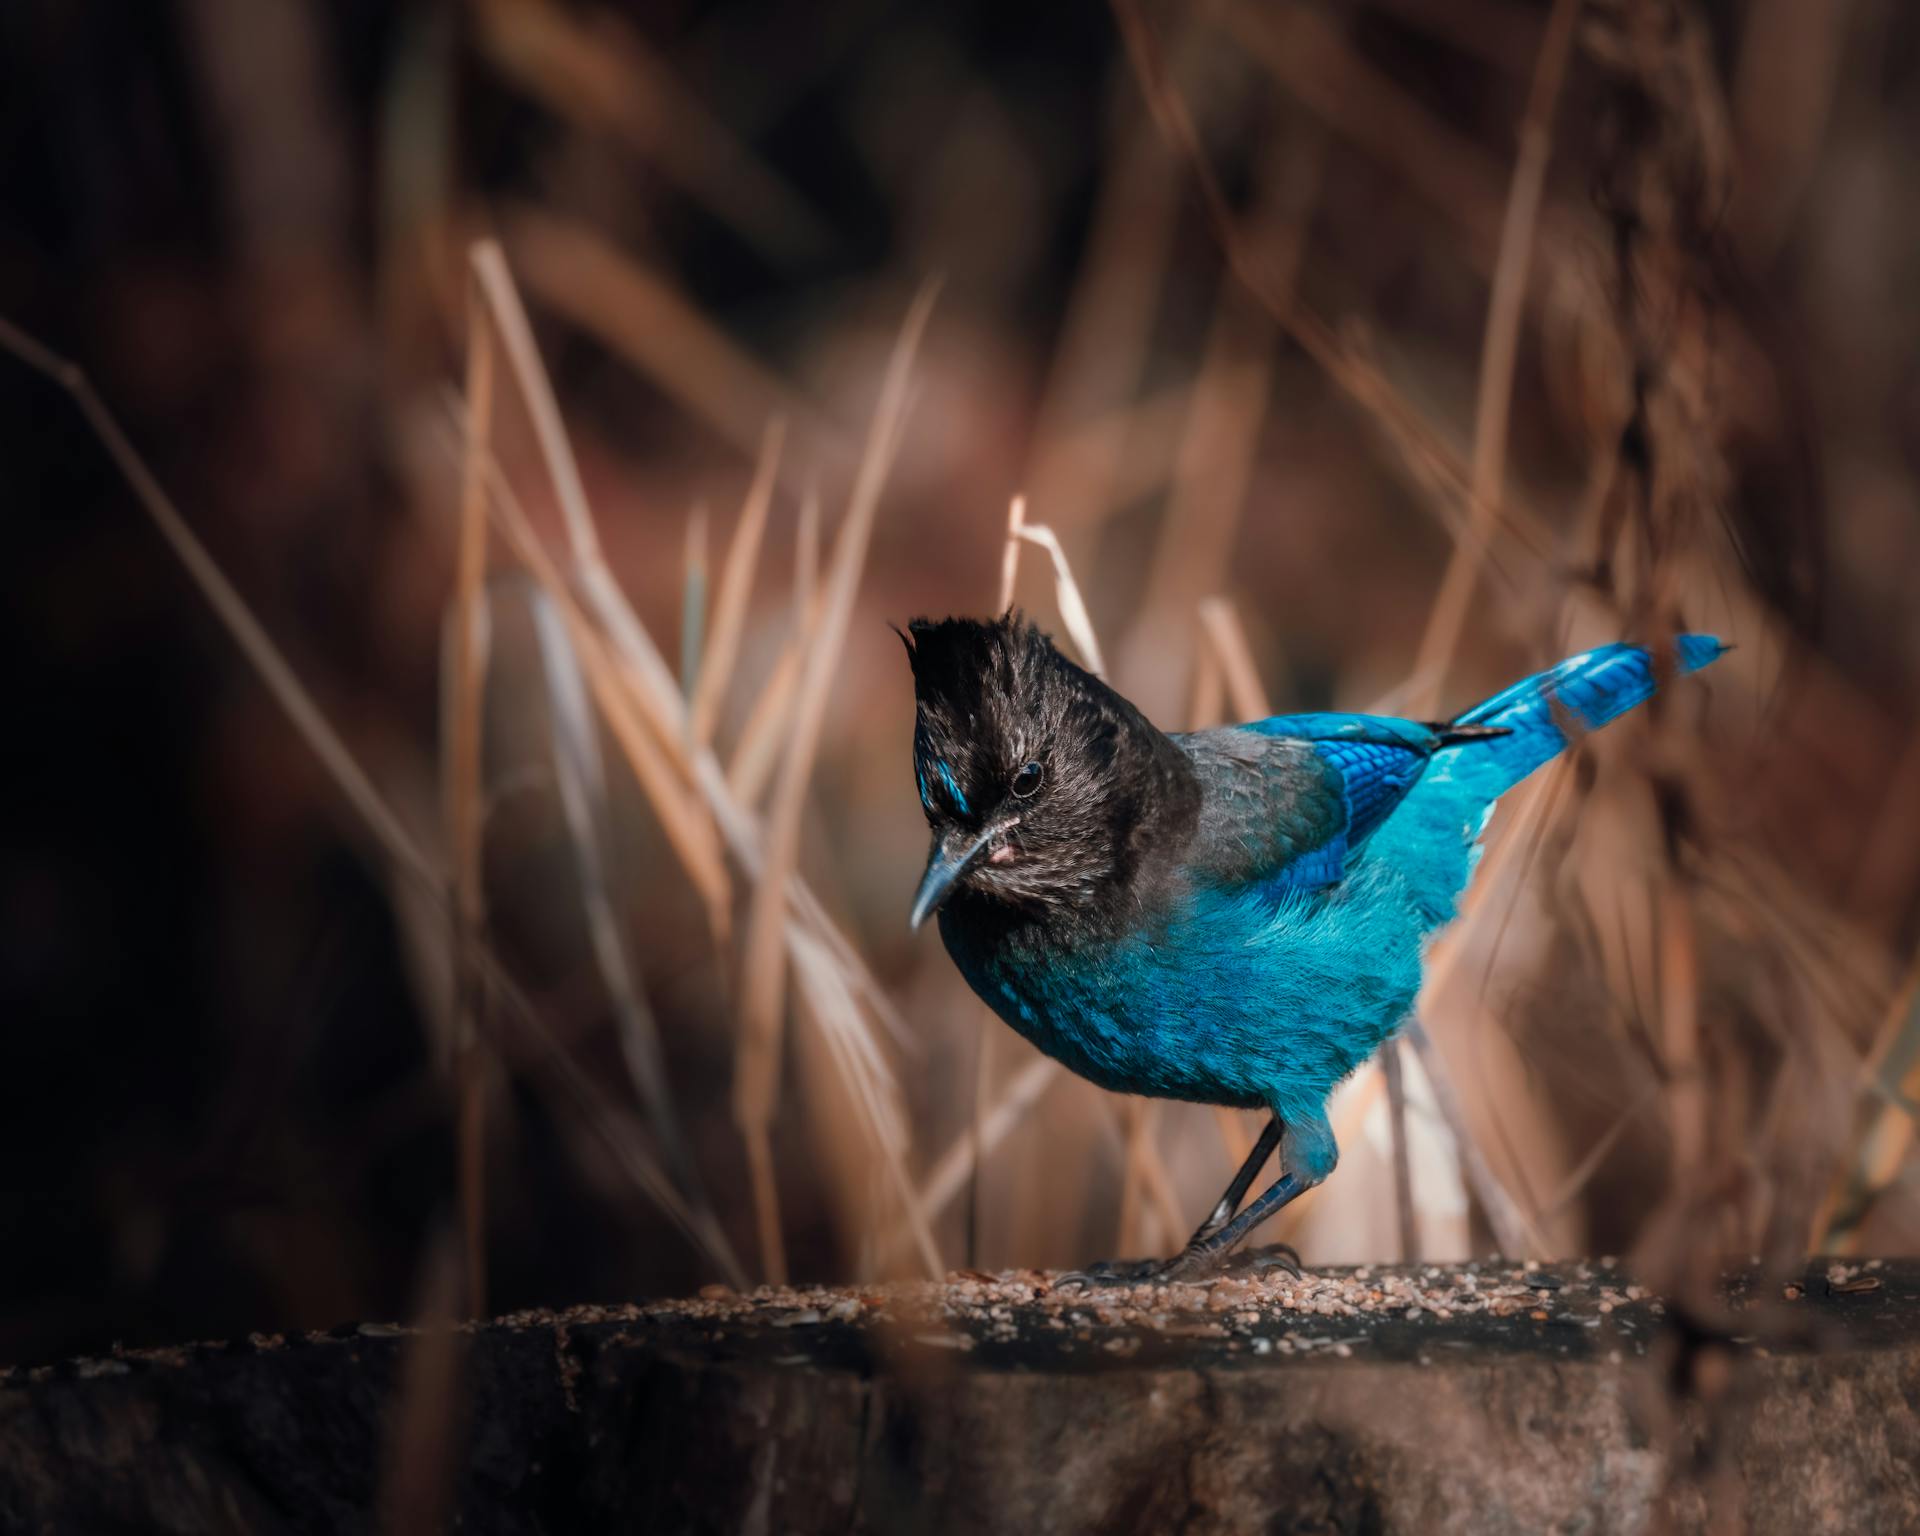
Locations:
(1234, 916)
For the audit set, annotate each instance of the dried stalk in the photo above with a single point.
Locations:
(1010, 554)
(1227, 641)
(464, 813)
(403, 854)
(1499, 352)
(1073, 608)
(693, 601)
(640, 318)
(688, 826)
(762, 1003)
(1426, 452)
(736, 585)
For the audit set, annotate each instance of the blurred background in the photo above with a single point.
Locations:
(1356, 353)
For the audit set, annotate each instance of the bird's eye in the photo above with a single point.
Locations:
(1027, 781)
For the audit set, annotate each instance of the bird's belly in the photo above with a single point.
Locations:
(1228, 1006)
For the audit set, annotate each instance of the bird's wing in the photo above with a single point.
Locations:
(1288, 798)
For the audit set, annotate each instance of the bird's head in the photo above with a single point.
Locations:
(1030, 769)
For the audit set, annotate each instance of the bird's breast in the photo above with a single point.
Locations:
(1226, 1000)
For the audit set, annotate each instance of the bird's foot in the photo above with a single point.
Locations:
(1111, 1272)
(1199, 1262)
(1193, 1263)
(1273, 1256)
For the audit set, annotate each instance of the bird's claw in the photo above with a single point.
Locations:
(1192, 1264)
(1110, 1272)
(1275, 1256)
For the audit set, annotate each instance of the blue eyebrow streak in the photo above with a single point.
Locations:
(926, 795)
(953, 789)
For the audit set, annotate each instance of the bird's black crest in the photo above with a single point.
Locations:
(962, 663)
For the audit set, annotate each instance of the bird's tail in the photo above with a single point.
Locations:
(1433, 836)
(1542, 713)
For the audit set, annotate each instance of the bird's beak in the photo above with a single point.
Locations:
(945, 865)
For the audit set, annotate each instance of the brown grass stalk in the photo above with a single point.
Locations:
(1427, 454)
(687, 824)
(430, 1410)
(1406, 1218)
(412, 866)
(598, 73)
(757, 753)
(597, 288)
(694, 582)
(266, 658)
(1010, 554)
(463, 809)
(580, 780)
(1227, 640)
(806, 553)
(1073, 607)
(736, 586)
(1887, 1088)
(1077, 464)
(658, 702)
(763, 973)
(1499, 352)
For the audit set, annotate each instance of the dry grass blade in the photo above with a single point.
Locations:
(231, 609)
(806, 554)
(758, 749)
(1512, 1228)
(1590, 1163)
(464, 692)
(693, 601)
(430, 1419)
(1406, 1219)
(1227, 640)
(757, 753)
(516, 335)
(1073, 608)
(581, 781)
(595, 287)
(1148, 1169)
(1889, 1101)
(1429, 458)
(756, 1075)
(620, 680)
(599, 73)
(1010, 556)
(822, 984)
(736, 584)
(405, 857)
(657, 709)
(1499, 351)
(955, 1166)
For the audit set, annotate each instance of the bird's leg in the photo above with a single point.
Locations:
(1136, 1271)
(1222, 1213)
(1307, 1155)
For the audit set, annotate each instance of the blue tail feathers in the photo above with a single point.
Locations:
(1433, 836)
(1583, 692)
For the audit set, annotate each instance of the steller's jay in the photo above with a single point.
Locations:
(1231, 916)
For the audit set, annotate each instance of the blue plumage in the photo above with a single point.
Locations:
(1234, 916)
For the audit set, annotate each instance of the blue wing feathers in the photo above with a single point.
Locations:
(1375, 776)
(1429, 797)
